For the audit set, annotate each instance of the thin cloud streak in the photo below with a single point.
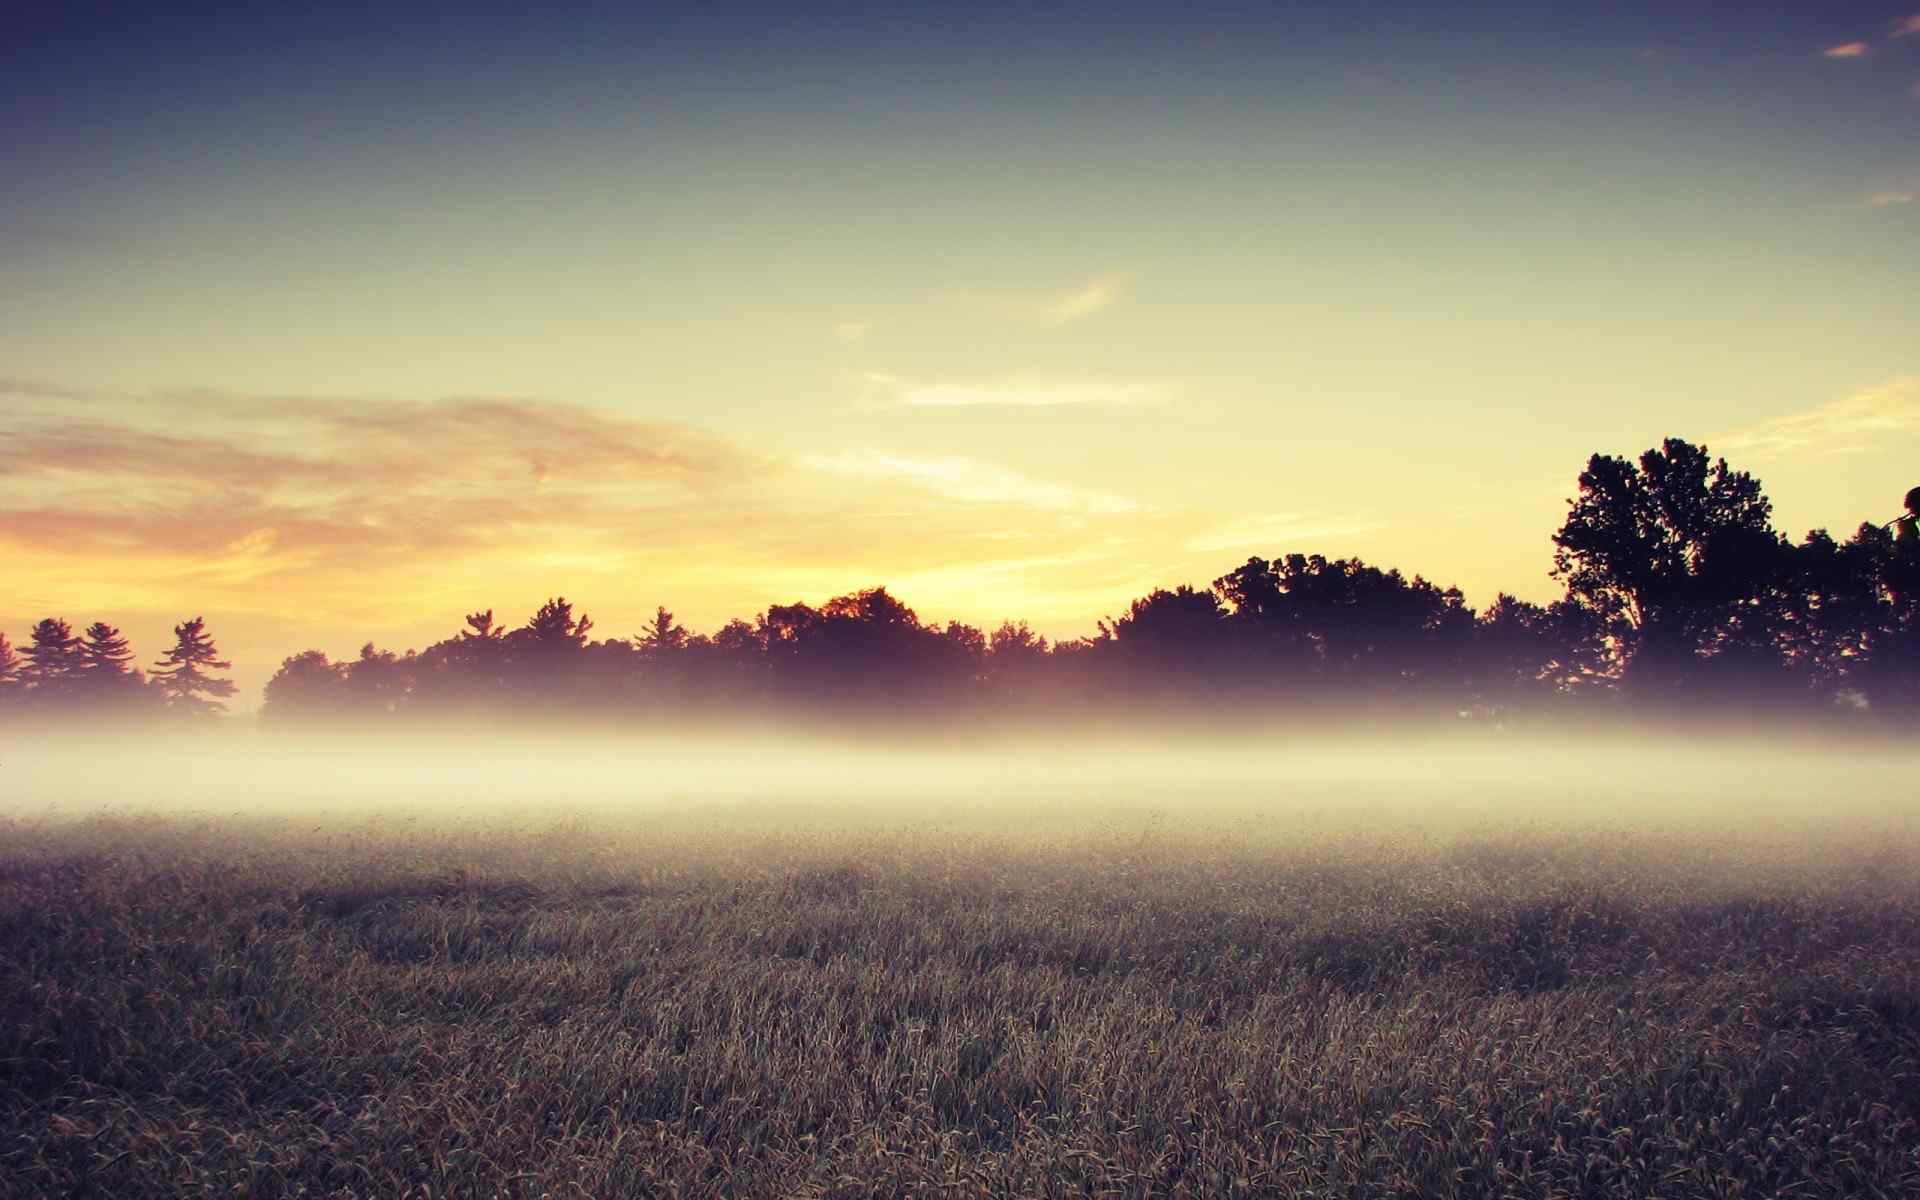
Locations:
(1906, 27)
(1084, 301)
(319, 509)
(1846, 426)
(968, 480)
(1846, 50)
(1016, 393)
(1057, 308)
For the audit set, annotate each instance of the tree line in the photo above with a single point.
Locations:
(57, 671)
(1679, 595)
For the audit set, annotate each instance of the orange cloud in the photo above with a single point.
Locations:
(316, 506)
(1846, 50)
(1906, 26)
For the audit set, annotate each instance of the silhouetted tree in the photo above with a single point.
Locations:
(54, 661)
(1168, 641)
(1678, 555)
(1830, 612)
(1016, 662)
(553, 627)
(9, 670)
(1524, 654)
(480, 628)
(545, 656)
(466, 672)
(182, 675)
(306, 687)
(1306, 624)
(732, 665)
(1676, 583)
(1888, 673)
(379, 681)
(662, 636)
(106, 652)
(107, 675)
(965, 650)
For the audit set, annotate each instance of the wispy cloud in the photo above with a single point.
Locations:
(1890, 197)
(967, 480)
(1083, 301)
(375, 512)
(1014, 392)
(1056, 308)
(1846, 50)
(852, 331)
(1275, 532)
(1846, 426)
(264, 443)
(292, 484)
(1906, 26)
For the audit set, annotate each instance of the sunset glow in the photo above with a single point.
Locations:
(338, 326)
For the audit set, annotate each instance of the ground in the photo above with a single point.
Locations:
(750, 1004)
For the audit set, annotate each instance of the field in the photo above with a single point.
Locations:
(754, 1002)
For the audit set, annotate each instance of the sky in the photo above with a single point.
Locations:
(333, 323)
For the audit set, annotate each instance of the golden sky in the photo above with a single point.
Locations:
(338, 333)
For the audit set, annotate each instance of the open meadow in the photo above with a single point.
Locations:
(1288, 989)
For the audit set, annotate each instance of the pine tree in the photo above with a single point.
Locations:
(107, 674)
(106, 651)
(480, 628)
(179, 675)
(662, 636)
(555, 629)
(53, 661)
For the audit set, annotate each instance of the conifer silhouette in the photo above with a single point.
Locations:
(180, 677)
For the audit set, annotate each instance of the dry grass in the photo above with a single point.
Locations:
(755, 1009)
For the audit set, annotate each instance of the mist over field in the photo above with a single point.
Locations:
(725, 966)
(960, 600)
(1469, 782)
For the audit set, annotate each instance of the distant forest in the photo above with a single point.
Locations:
(1680, 597)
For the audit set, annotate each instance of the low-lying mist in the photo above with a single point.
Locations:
(1377, 965)
(1277, 787)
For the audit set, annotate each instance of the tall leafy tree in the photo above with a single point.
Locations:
(1887, 670)
(1678, 554)
(1523, 652)
(1344, 624)
(307, 686)
(182, 675)
(379, 681)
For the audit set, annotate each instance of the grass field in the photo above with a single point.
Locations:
(746, 1003)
